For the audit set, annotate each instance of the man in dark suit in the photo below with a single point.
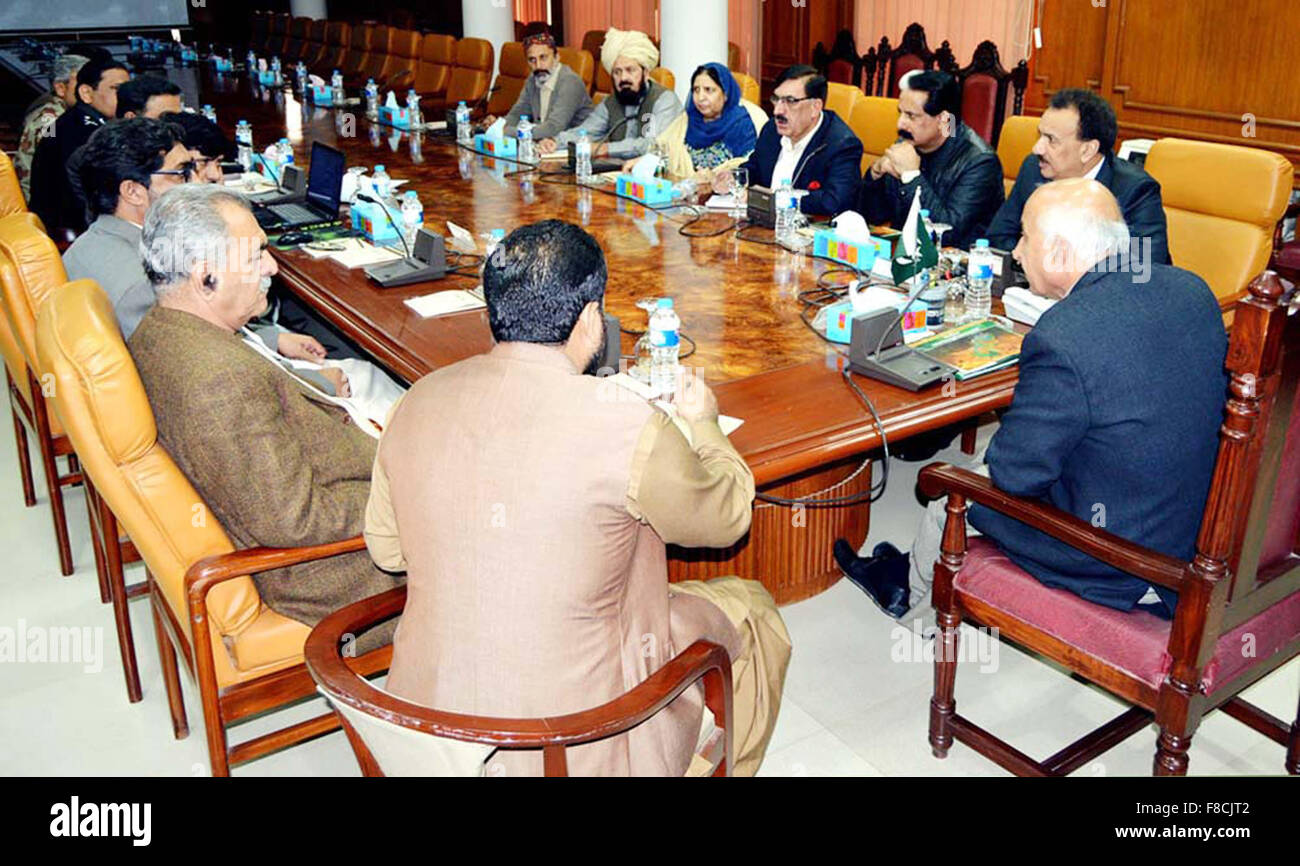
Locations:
(1115, 417)
(808, 146)
(957, 173)
(1076, 138)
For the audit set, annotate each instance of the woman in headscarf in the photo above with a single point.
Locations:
(717, 131)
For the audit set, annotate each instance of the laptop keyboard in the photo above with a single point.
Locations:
(294, 213)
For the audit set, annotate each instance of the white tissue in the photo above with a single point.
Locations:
(873, 298)
(646, 167)
(497, 130)
(316, 81)
(852, 227)
(391, 101)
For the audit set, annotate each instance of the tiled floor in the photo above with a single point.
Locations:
(856, 699)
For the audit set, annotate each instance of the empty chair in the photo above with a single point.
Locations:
(293, 47)
(512, 75)
(314, 46)
(471, 74)
(874, 120)
(278, 34)
(840, 98)
(985, 87)
(338, 36)
(404, 48)
(358, 52)
(379, 61)
(664, 76)
(749, 89)
(581, 62)
(433, 69)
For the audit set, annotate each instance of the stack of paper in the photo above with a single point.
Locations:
(442, 303)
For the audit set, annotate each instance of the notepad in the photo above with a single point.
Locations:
(442, 303)
(361, 254)
(641, 389)
(558, 153)
(721, 202)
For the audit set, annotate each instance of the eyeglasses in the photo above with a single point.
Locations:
(185, 171)
(788, 101)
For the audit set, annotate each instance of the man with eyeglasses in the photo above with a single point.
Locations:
(207, 143)
(125, 167)
(811, 148)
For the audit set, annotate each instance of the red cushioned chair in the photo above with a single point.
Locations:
(912, 54)
(1243, 583)
(985, 86)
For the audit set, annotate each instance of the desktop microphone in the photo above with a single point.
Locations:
(401, 237)
(900, 365)
(428, 263)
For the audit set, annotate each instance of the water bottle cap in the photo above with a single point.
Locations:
(982, 244)
(379, 168)
(498, 233)
(665, 303)
(411, 194)
(924, 212)
(462, 103)
(523, 119)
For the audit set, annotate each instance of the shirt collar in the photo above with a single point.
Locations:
(788, 144)
(1096, 169)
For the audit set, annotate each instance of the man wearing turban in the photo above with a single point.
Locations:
(640, 108)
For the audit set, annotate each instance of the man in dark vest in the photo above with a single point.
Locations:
(638, 110)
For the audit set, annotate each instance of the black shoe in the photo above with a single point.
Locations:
(921, 448)
(884, 575)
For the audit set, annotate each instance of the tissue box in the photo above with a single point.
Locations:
(370, 220)
(839, 321)
(398, 117)
(654, 192)
(861, 256)
(266, 78)
(507, 148)
(222, 64)
(322, 95)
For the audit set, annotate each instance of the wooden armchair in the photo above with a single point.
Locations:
(841, 63)
(985, 87)
(378, 722)
(911, 54)
(1242, 587)
(1286, 255)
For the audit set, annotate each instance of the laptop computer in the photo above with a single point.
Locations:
(320, 205)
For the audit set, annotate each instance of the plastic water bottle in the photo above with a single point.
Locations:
(301, 71)
(372, 99)
(462, 123)
(412, 216)
(491, 240)
(979, 288)
(210, 113)
(244, 141)
(413, 108)
(784, 211)
(251, 60)
(583, 158)
(285, 154)
(383, 184)
(665, 344)
(336, 85)
(524, 133)
(275, 70)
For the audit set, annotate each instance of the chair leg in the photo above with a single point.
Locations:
(1171, 754)
(171, 677)
(969, 436)
(121, 608)
(97, 543)
(942, 705)
(46, 442)
(24, 461)
(1293, 747)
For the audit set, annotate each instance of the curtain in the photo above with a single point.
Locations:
(743, 29)
(964, 23)
(529, 11)
(583, 15)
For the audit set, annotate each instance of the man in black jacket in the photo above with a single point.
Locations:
(807, 145)
(54, 193)
(1076, 137)
(958, 174)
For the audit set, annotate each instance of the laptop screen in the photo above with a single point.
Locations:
(325, 177)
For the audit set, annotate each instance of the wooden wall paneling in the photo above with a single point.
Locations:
(791, 32)
(1073, 52)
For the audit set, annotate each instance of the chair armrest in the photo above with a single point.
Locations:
(701, 659)
(205, 574)
(940, 479)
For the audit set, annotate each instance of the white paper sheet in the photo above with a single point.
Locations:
(442, 303)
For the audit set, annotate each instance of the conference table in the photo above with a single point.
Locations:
(805, 434)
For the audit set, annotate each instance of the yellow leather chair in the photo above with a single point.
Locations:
(30, 267)
(1019, 135)
(875, 121)
(840, 98)
(246, 658)
(1223, 203)
(664, 76)
(749, 89)
(512, 75)
(11, 194)
(581, 62)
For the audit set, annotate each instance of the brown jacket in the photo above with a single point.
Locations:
(531, 506)
(278, 465)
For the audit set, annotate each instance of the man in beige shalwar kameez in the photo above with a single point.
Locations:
(530, 506)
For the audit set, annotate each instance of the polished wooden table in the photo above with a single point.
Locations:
(805, 432)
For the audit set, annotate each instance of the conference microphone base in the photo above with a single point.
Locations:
(404, 272)
(906, 369)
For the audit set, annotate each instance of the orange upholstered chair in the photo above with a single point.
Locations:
(404, 48)
(471, 74)
(433, 69)
(581, 62)
(512, 75)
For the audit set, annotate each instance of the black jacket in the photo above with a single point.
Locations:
(55, 196)
(960, 183)
(831, 161)
(1115, 420)
(1138, 194)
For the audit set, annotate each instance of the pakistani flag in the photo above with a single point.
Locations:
(918, 252)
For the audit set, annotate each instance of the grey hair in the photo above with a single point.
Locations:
(66, 67)
(1091, 236)
(184, 228)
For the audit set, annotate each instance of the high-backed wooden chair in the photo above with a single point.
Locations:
(581, 62)
(841, 63)
(985, 88)
(1242, 586)
(512, 75)
(278, 34)
(874, 120)
(404, 47)
(260, 27)
(1286, 254)
(840, 98)
(30, 267)
(1015, 143)
(246, 658)
(1223, 203)
(910, 55)
(338, 36)
(433, 69)
(392, 736)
